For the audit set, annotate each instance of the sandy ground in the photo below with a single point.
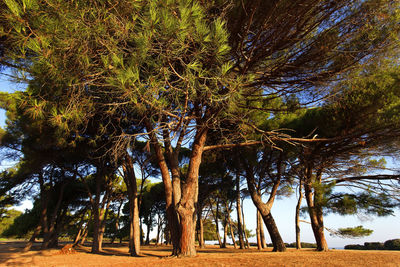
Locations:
(11, 255)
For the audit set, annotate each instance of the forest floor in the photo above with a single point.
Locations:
(11, 254)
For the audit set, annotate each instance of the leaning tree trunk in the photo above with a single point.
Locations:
(265, 210)
(297, 217)
(316, 217)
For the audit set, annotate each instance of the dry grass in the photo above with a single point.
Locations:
(11, 255)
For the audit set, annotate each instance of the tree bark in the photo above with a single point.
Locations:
(265, 210)
(216, 215)
(316, 217)
(200, 235)
(130, 181)
(172, 219)
(258, 233)
(297, 216)
(239, 213)
(262, 235)
(244, 228)
(96, 245)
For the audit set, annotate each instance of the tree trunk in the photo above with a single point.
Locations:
(225, 234)
(172, 219)
(216, 215)
(279, 245)
(148, 234)
(244, 228)
(200, 235)
(262, 235)
(316, 217)
(130, 181)
(265, 210)
(239, 213)
(297, 217)
(258, 231)
(29, 245)
(96, 245)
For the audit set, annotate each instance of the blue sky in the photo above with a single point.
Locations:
(283, 211)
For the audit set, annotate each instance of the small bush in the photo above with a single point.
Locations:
(373, 245)
(393, 244)
(358, 247)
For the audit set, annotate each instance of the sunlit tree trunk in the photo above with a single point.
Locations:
(297, 216)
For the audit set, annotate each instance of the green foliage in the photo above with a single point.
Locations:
(354, 232)
(7, 219)
(393, 244)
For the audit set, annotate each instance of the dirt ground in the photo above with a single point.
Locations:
(117, 255)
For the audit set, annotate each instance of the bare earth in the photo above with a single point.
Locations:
(11, 255)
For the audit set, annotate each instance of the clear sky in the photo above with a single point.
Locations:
(283, 211)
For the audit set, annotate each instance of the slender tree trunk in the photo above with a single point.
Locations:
(159, 225)
(232, 234)
(200, 235)
(262, 235)
(244, 228)
(85, 233)
(239, 213)
(148, 234)
(36, 232)
(297, 217)
(96, 245)
(216, 215)
(117, 222)
(316, 218)
(258, 231)
(172, 219)
(225, 233)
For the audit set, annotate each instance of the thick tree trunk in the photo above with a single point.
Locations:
(187, 241)
(279, 245)
(297, 216)
(239, 213)
(316, 218)
(130, 181)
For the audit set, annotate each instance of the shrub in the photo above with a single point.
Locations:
(393, 244)
(359, 247)
(373, 245)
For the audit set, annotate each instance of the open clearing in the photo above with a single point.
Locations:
(116, 255)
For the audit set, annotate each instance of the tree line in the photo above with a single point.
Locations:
(279, 96)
